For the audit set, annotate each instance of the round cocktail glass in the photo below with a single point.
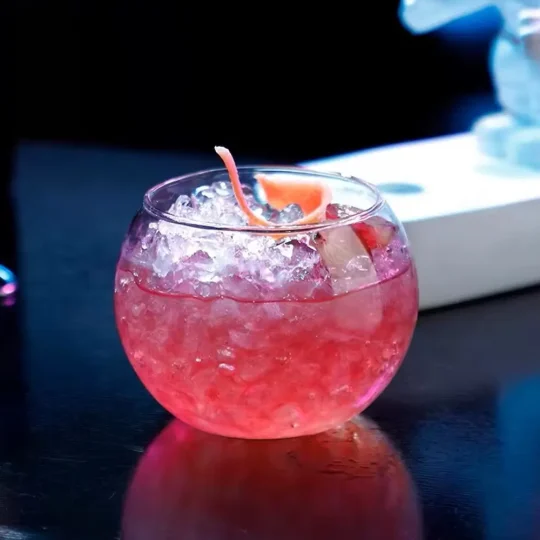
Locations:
(264, 333)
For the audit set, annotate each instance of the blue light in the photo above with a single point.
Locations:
(8, 282)
(475, 28)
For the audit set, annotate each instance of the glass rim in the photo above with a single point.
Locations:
(357, 217)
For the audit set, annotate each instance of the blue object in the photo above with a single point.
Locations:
(514, 65)
(511, 512)
(472, 29)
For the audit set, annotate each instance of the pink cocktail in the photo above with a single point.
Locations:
(258, 332)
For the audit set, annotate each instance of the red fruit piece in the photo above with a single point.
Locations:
(375, 232)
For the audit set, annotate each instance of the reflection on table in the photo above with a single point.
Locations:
(346, 483)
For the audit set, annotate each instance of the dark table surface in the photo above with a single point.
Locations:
(463, 411)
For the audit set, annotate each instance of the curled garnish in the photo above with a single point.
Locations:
(312, 195)
(230, 165)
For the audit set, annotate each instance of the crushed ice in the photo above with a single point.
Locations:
(215, 262)
(210, 258)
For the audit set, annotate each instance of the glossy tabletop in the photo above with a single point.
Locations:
(457, 438)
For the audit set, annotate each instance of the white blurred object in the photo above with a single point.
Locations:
(473, 220)
(514, 134)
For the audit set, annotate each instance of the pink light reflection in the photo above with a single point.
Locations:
(7, 289)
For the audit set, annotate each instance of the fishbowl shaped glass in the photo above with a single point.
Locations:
(264, 332)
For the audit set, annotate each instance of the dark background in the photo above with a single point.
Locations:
(266, 79)
(276, 82)
(271, 81)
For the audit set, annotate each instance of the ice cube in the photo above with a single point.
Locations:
(222, 189)
(199, 258)
(240, 286)
(223, 312)
(346, 258)
(303, 254)
(203, 194)
(272, 310)
(290, 213)
(302, 273)
(215, 262)
(213, 208)
(162, 262)
(269, 213)
(286, 249)
(367, 306)
(181, 207)
(339, 211)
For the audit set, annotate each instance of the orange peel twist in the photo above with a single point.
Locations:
(311, 195)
